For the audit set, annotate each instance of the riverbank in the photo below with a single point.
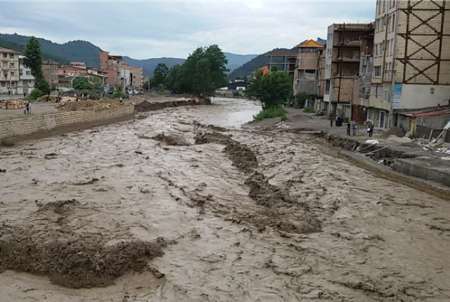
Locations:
(391, 155)
(48, 119)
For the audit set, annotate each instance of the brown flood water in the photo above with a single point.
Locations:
(210, 214)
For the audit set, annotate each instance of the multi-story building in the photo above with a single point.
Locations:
(50, 73)
(9, 71)
(26, 80)
(137, 78)
(411, 58)
(120, 75)
(306, 76)
(342, 65)
(111, 66)
(283, 60)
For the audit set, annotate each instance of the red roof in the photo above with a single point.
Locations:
(437, 112)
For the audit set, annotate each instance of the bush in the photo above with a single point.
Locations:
(271, 112)
(117, 93)
(308, 110)
(35, 94)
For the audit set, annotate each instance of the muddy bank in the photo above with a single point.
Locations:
(69, 258)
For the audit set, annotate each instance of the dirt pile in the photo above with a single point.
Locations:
(89, 105)
(69, 258)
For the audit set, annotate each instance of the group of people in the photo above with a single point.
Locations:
(351, 125)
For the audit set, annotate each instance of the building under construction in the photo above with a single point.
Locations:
(342, 65)
(411, 59)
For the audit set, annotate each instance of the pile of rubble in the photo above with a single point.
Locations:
(75, 105)
(12, 104)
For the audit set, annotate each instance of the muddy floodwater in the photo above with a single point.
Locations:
(186, 205)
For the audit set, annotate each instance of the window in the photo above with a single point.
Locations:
(327, 86)
(377, 70)
(393, 22)
(12, 73)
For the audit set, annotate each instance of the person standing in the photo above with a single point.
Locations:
(370, 128)
(28, 107)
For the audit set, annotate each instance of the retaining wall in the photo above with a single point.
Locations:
(46, 123)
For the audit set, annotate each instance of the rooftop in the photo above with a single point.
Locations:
(309, 44)
(7, 50)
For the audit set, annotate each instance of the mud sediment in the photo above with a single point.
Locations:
(69, 258)
(276, 201)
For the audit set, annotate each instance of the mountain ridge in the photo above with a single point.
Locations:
(85, 51)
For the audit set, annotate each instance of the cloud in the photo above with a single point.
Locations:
(144, 29)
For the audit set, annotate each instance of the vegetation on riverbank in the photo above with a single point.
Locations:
(271, 112)
(273, 89)
(201, 74)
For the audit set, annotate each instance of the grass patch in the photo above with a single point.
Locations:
(271, 112)
(308, 110)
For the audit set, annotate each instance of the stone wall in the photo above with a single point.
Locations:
(44, 123)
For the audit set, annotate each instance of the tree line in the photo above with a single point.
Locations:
(201, 74)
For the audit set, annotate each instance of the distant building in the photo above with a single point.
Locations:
(306, 75)
(111, 66)
(50, 73)
(9, 71)
(283, 60)
(26, 79)
(137, 78)
(342, 65)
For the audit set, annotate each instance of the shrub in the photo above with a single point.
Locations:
(308, 110)
(35, 94)
(271, 112)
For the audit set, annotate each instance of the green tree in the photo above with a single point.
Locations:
(272, 89)
(205, 71)
(82, 83)
(33, 59)
(175, 80)
(160, 75)
(201, 74)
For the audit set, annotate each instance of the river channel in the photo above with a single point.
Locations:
(188, 205)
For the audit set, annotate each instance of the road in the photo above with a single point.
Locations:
(170, 208)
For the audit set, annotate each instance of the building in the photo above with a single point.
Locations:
(306, 75)
(111, 66)
(320, 105)
(411, 58)
(342, 65)
(50, 73)
(9, 71)
(26, 80)
(283, 60)
(137, 78)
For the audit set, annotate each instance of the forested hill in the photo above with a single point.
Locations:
(249, 67)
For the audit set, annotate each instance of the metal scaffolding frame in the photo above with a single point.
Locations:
(411, 37)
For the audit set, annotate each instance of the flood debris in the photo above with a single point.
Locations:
(171, 139)
(86, 182)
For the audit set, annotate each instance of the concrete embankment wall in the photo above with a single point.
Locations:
(403, 167)
(50, 123)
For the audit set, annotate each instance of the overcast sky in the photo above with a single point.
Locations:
(173, 28)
